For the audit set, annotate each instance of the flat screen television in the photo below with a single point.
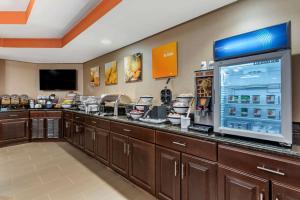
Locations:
(58, 79)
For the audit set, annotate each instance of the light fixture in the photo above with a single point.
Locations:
(105, 41)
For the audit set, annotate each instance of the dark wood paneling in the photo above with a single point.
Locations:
(142, 164)
(89, 139)
(55, 114)
(145, 134)
(79, 118)
(199, 178)
(284, 192)
(37, 114)
(250, 161)
(203, 149)
(167, 174)
(14, 115)
(14, 130)
(68, 115)
(236, 185)
(118, 148)
(78, 135)
(99, 123)
(67, 129)
(102, 145)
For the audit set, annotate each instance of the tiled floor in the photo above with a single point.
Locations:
(58, 171)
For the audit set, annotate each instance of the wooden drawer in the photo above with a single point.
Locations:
(137, 132)
(272, 167)
(99, 123)
(79, 118)
(54, 114)
(37, 114)
(13, 115)
(200, 148)
(68, 115)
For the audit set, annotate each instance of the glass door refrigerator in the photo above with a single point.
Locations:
(254, 97)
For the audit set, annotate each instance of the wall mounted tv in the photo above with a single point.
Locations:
(58, 79)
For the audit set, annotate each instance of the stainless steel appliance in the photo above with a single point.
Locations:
(203, 115)
(254, 98)
(114, 104)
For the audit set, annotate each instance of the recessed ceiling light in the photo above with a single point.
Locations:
(105, 41)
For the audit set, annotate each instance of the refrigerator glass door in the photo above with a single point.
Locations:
(251, 96)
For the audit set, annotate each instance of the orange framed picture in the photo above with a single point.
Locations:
(164, 61)
(95, 76)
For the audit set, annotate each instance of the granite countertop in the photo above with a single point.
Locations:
(250, 144)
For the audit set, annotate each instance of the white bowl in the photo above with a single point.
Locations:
(174, 120)
(181, 110)
(185, 100)
(136, 116)
(141, 107)
(180, 104)
(146, 99)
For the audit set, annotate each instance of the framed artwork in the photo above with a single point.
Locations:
(164, 61)
(111, 73)
(95, 76)
(133, 67)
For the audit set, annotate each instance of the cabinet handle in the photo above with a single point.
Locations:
(128, 149)
(276, 198)
(261, 196)
(175, 168)
(182, 171)
(271, 171)
(27, 124)
(180, 144)
(126, 130)
(124, 146)
(94, 122)
(13, 115)
(94, 135)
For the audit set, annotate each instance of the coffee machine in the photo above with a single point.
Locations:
(203, 116)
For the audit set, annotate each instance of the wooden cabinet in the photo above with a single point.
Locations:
(182, 176)
(78, 135)
(167, 174)
(45, 124)
(67, 129)
(134, 158)
(102, 145)
(89, 140)
(14, 127)
(236, 185)
(284, 192)
(119, 156)
(14, 130)
(142, 164)
(199, 178)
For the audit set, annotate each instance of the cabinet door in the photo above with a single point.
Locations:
(67, 130)
(102, 145)
(89, 136)
(236, 185)
(53, 127)
(118, 152)
(78, 135)
(199, 178)
(283, 192)
(167, 174)
(37, 128)
(14, 130)
(142, 164)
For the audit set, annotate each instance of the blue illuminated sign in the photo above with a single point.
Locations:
(263, 40)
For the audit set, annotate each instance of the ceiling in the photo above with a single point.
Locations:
(13, 5)
(129, 21)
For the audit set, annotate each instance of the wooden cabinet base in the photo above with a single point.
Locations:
(234, 185)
